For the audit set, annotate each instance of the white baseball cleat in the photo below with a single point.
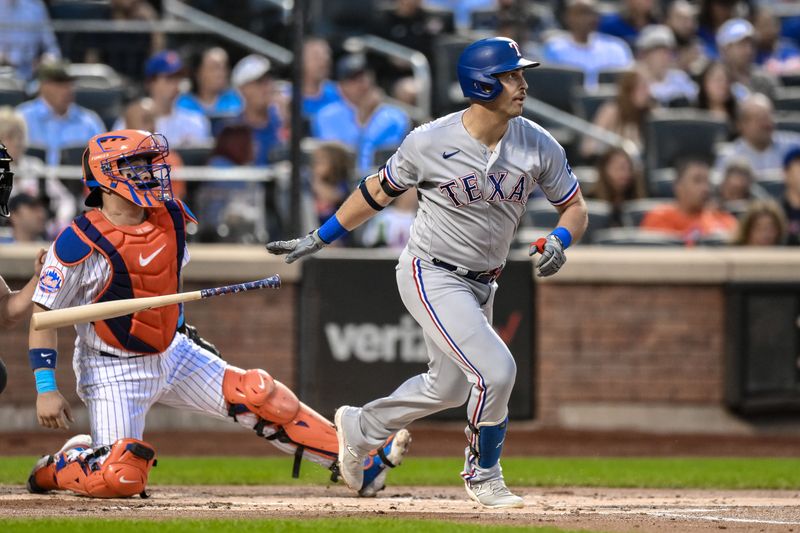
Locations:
(351, 462)
(493, 493)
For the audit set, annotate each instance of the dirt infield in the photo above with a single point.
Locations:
(591, 509)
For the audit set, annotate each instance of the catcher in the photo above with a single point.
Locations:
(14, 305)
(133, 244)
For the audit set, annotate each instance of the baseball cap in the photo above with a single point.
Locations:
(733, 31)
(250, 68)
(655, 36)
(165, 63)
(791, 156)
(54, 71)
(350, 66)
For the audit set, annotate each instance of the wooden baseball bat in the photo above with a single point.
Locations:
(69, 316)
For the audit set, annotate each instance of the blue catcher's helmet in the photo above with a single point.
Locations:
(482, 60)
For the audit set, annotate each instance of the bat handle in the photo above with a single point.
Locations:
(272, 282)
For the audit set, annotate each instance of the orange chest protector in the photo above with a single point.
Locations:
(145, 261)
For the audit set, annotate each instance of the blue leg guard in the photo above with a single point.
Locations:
(485, 447)
(377, 464)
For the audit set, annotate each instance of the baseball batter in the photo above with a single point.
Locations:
(473, 171)
(14, 305)
(132, 244)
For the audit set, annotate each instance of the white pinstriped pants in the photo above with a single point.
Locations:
(118, 392)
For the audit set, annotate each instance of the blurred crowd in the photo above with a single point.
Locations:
(729, 67)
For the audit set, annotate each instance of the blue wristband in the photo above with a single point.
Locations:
(42, 358)
(563, 235)
(331, 230)
(45, 380)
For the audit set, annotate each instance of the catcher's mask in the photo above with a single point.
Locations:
(6, 180)
(130, 163)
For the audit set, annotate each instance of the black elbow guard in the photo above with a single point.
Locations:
(362, 186)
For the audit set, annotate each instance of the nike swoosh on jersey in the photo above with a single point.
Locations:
(123, 480)
(448, 156)
(144, 261)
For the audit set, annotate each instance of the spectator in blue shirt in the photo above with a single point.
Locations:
(318, 89)
(582, 47)
(26, 36)
(361, 120)
(251, 77)
(629, 21)
(776, 54)
(211, 92)
(53, 119)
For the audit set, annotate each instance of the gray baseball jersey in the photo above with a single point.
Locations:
(472, 198)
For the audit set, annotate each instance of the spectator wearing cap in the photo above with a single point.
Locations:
(713, 14)
(629, 21)
(655, 48)
(581, 46)
(211, 93)
(737, 52)
(318, 89)
(163, 73)
(53, 119)
(776, 54)
(26, 36)
(758, 142)
(251, 77)
(28, 219)
(361, 120)
(791, 195)
(30, 176)
(691, 216)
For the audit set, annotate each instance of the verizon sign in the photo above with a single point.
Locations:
(357, 342)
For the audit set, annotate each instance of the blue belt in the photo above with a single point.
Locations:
(485, 277)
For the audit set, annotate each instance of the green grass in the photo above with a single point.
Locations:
(701, 473)
(348, 525)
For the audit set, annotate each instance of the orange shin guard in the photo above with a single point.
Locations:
(123, 473)
(261, 394)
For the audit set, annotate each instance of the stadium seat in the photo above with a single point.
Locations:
(599, 217)
(106, 102)
(634, 211)
(736, 208)
(11, 96)
(446, 51)
(587, 176)
(790, 80)
(39, 152)
(610, 76)
(541, 213)
(788, 99)
(72, 155)
(660, 182)
(787, 122)
(382, 155)
(773, 187)
(194, 156)
(675, 134)
(554, 85)
(634, 237)
(587, 103)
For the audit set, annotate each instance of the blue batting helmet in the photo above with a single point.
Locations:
(482, 60)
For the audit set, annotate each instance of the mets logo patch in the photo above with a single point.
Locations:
(51, 280)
